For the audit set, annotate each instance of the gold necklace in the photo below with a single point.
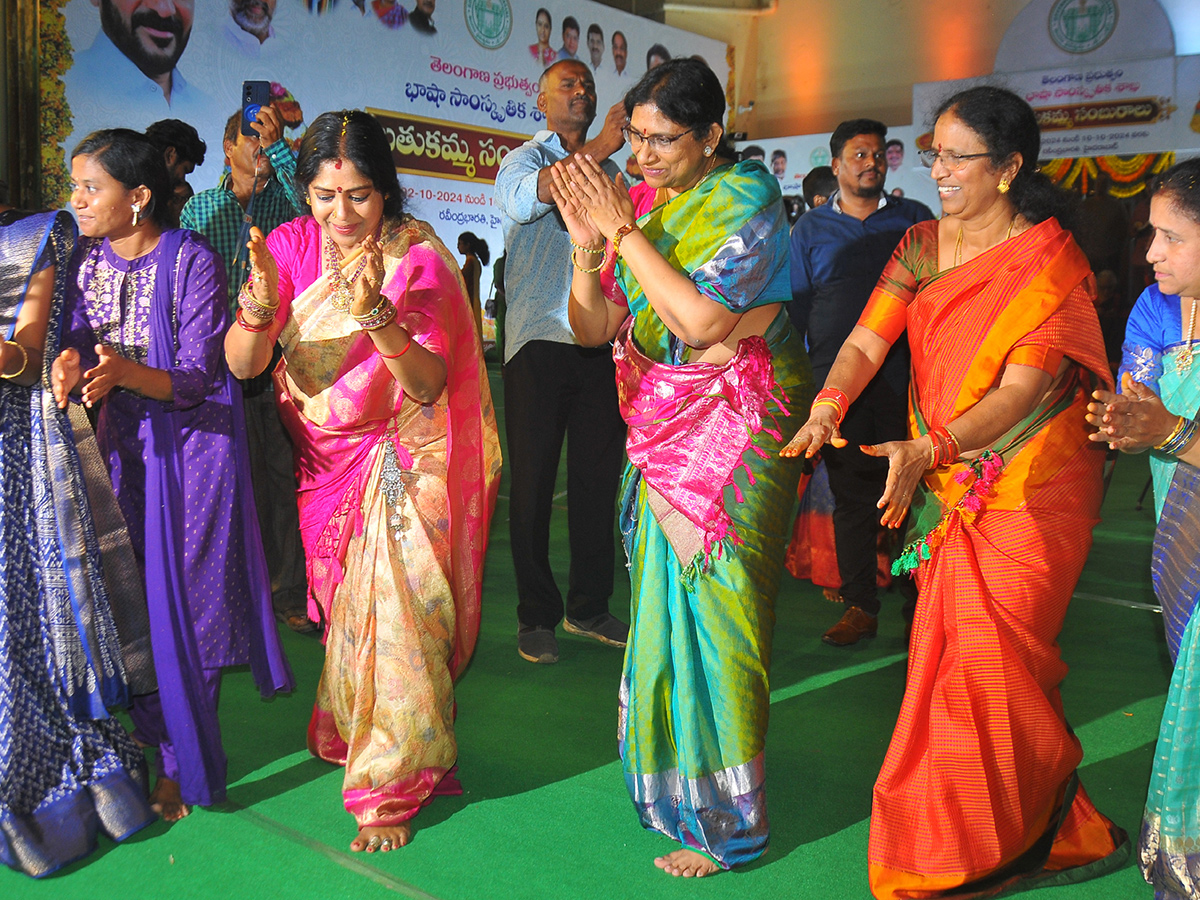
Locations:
(1183, 362)
(340, 294)
(958, 242)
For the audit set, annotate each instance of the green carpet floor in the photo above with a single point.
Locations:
(545, 813)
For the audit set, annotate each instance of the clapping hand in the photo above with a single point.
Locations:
(264, 273)
(1132, 421)
(607, 202)
(368, 285)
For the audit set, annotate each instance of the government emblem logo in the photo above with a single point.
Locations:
(819, 157)
(1080, 26)
(489, 21)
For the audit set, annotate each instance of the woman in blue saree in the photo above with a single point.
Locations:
(1157, 411)
(67, 770)
(707, 365)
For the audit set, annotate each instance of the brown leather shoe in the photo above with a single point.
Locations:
(852, 627)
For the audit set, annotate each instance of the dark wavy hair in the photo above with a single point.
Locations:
(1180, 186)
(476, 245)
(178, 134)
(356, 136)
(1007, 125)
(130, 158)
(687, 92)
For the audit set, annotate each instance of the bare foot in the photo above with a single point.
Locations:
(167, 801)
(833, 595)
(381, 837)
(686, 864)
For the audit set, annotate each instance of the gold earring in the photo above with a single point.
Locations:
(1002, 187)
(137, 212)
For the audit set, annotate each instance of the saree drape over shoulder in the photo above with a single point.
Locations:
(395, 500)
(1156, 355)
(978, 788)
(67, 770)
(705, 507)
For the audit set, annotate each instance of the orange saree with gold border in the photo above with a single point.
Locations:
(978, 789)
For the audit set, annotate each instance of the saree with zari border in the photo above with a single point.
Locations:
(978, 790)
(705, 507)
(1170, 834)
(68, 770)
(395, 499)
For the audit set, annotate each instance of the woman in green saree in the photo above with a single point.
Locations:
(707, 364)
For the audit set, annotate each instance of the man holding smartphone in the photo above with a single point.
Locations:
(260, 190)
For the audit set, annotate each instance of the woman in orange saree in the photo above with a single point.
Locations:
(978, 790)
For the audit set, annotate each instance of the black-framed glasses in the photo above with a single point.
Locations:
(659, 143)
(952, 161)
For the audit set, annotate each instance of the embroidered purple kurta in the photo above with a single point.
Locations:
(181, 475)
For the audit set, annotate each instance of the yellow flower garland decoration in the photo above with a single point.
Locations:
(1129, 174)
(54, 113)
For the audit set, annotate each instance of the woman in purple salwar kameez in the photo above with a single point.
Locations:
(146, 313)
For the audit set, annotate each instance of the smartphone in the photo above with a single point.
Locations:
(255, 95)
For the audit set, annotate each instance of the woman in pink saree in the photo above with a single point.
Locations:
(383, 390)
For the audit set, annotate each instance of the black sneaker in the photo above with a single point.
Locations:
(605, 628)
(537, 644)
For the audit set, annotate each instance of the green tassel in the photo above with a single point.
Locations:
(688, 576)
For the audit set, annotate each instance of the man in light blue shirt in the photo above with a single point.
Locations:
(555, 388)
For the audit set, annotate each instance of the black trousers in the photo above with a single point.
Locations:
(552, 390)
(880, 414)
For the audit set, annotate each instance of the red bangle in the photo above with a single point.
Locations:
(833, 397)
(253, 329)
(944, 444)
(401, 353)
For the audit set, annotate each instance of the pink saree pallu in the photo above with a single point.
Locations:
(395, 498)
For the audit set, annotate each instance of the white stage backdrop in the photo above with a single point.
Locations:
(456, 90)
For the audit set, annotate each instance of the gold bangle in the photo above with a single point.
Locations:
(579, 246)
(591, 271)
(621, 233)
(24, 362)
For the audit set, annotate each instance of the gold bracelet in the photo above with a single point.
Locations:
(578, 246)
(24, 362)
(591, 271)
(621, 233)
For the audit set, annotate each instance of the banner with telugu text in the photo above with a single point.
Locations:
(453, 81)
(1140, 106)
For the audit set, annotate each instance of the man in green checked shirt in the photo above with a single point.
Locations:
(259, 190)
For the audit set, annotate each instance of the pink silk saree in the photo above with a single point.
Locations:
(395, 499)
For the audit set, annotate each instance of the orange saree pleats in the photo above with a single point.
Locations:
(978, 789)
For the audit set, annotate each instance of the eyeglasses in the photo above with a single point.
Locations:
(659, 143)
(952, 161)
